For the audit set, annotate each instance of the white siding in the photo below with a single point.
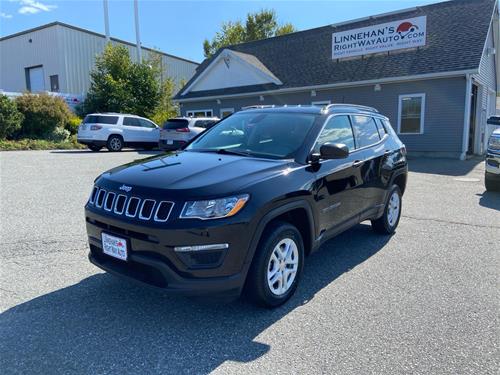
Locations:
(18, 53)
(488, 87)
(71, 54)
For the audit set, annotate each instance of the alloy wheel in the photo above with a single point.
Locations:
(283, 266)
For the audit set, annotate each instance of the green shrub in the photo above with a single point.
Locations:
(73, 124)
(43, 113)
(40, 144)
(58, 135)
(10, 117)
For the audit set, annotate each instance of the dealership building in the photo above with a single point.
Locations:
(433, 70)
(58, 57)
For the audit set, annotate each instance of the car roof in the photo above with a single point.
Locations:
(114, 114)
(314, 109)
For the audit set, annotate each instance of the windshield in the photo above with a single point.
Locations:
(270, 135)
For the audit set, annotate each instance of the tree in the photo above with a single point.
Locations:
(120, 85)
(10, 117)
(260, 25)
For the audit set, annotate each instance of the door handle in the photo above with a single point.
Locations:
(357, 163)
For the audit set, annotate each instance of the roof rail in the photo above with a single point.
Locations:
(258, 106)
(362, 107)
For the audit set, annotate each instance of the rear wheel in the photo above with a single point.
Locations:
(277, 265)
(94, 148)
(389, 220)
(115, 143)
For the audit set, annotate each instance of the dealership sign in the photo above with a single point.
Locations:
(407, 33)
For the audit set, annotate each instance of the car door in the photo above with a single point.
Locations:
(132, 130)
(150, 131)
(337, 180)
(369, 157)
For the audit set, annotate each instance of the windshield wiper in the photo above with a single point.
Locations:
(226, 151)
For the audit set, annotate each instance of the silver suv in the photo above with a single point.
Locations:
(176, 132)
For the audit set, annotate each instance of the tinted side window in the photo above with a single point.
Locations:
(146, 123)
(131, 121)
(337, 130)
(365, 130)
(381, 128)
(93, 119)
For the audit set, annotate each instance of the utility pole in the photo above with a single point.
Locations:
(137, 35)
(106, 20)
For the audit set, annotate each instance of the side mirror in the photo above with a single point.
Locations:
(334, 151)
(493, 120)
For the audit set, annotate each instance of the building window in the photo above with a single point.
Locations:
(54, 83)
(321, 103)
(200, 113)
(411, 110)
(224, 112)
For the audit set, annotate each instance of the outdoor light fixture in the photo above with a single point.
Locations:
(218, 101)
(261, 98)
(377, 87)
(313, 92)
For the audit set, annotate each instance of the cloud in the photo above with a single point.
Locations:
(5, 15)
(34, 7)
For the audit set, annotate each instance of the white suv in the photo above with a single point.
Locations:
(176, 132)
(115, 131)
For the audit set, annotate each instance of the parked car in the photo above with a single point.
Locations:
(492, 169)
(176, 132)
(116, 130)
(243, 204)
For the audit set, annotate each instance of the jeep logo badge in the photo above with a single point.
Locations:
(125, 188)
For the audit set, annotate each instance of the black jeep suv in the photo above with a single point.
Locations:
(243, 203)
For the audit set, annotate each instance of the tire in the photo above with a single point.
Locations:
(491, 185)
(94, 148)
(388, 223)
(276, 239)
(115, 143)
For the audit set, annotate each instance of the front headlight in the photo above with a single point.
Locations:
(214, 208)
(494, 143)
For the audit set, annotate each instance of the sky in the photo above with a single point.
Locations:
(179, 27)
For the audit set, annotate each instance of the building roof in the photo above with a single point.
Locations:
(57, 23)
(456, 34)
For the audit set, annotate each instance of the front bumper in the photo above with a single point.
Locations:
(152, 259)
(492, 166)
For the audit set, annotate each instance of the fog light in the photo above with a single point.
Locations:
(217, 246)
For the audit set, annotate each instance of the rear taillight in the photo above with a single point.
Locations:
(182, 130)
(95, 127)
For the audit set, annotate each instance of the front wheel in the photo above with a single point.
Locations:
(491, 185)
(389, 220)
(277, 266)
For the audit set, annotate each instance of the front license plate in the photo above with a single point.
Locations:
(170, 142)
(114, 246)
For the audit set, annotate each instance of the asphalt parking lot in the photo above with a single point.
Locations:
(425, 300)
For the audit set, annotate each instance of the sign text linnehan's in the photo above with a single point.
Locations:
(385, 37)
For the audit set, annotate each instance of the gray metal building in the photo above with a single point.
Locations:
(433, 70)
(59, 57)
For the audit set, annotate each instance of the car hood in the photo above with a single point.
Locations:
(195, 173)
